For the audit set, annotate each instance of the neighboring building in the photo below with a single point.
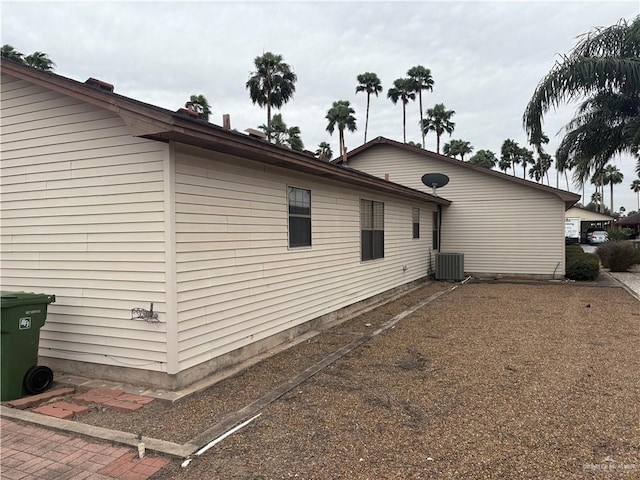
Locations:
(504, 225)
(632, 223)
(589, 221)
(176, 247)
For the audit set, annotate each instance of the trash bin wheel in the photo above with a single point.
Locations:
(38, 379)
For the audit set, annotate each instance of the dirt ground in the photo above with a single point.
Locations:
(487, 381)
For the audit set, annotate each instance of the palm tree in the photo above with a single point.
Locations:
(596, 199)
(439, 121)
(370, 83)
(598, 181)
(485, 159)
(340, 116)
(540, 168)
(635, 186)
(272, 83)
(40, 60)
(200, 105)
(604, 68)
(457, 147)
(414, 144)
(509, 155)
(525, 157)
(422, 81)
(294, 140)
(545, 161)
(11, 53)
(403, 89)
(324, 151)
(279, 134)
(504, 164)
(611, 176)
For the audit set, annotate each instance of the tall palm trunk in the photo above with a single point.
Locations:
(421, 116)
(269, 121)
(366, 123)
(404, 122)
(341, 142)
(611, 185)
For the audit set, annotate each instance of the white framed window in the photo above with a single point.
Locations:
(371, 229)
(299, 202)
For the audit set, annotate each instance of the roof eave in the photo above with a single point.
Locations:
(568, 198)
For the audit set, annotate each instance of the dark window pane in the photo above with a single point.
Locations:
(378, 244)
(299, 217)
(416, 230)
(299, 232)
(367, 244)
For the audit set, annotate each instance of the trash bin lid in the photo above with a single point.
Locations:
(13, 299)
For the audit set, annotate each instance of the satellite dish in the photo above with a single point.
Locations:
(435, 180)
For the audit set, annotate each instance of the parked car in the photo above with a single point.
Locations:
(597, 236)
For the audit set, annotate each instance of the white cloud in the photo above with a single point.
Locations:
(486, 57)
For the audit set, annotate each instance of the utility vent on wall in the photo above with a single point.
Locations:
(449, 266)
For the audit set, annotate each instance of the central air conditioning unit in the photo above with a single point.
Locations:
(449, 266)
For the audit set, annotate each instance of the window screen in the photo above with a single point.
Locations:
(372, 229)
(299, 217)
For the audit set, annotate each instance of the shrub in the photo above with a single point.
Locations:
(617, 234)
(572, 251)
(584, 266)
(636, 256)
(617, 256)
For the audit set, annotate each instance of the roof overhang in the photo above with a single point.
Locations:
(152, 122)
(568, 198)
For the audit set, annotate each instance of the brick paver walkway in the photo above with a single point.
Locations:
(30, 452)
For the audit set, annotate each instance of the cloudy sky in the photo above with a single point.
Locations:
(486, 58)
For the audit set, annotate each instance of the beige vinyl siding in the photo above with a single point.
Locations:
(238, 281)
(82, 218)
(501, 227)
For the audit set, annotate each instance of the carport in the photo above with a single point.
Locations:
(589, 221)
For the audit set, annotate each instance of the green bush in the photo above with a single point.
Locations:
(573, 249)
(618, 234)
(636, 256)
(581, 266)
(617, 256)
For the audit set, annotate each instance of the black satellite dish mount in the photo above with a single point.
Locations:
(435, 181)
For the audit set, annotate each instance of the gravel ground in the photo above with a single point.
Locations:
(631, 279)
(188, 417)
(488, 381)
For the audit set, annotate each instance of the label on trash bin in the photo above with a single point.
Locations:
(24, 323)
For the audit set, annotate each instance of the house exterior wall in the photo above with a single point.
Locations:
(109, 222)
(503, 228)
(82, 217)
(237, 280)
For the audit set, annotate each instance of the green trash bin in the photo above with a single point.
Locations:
(21, 318)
